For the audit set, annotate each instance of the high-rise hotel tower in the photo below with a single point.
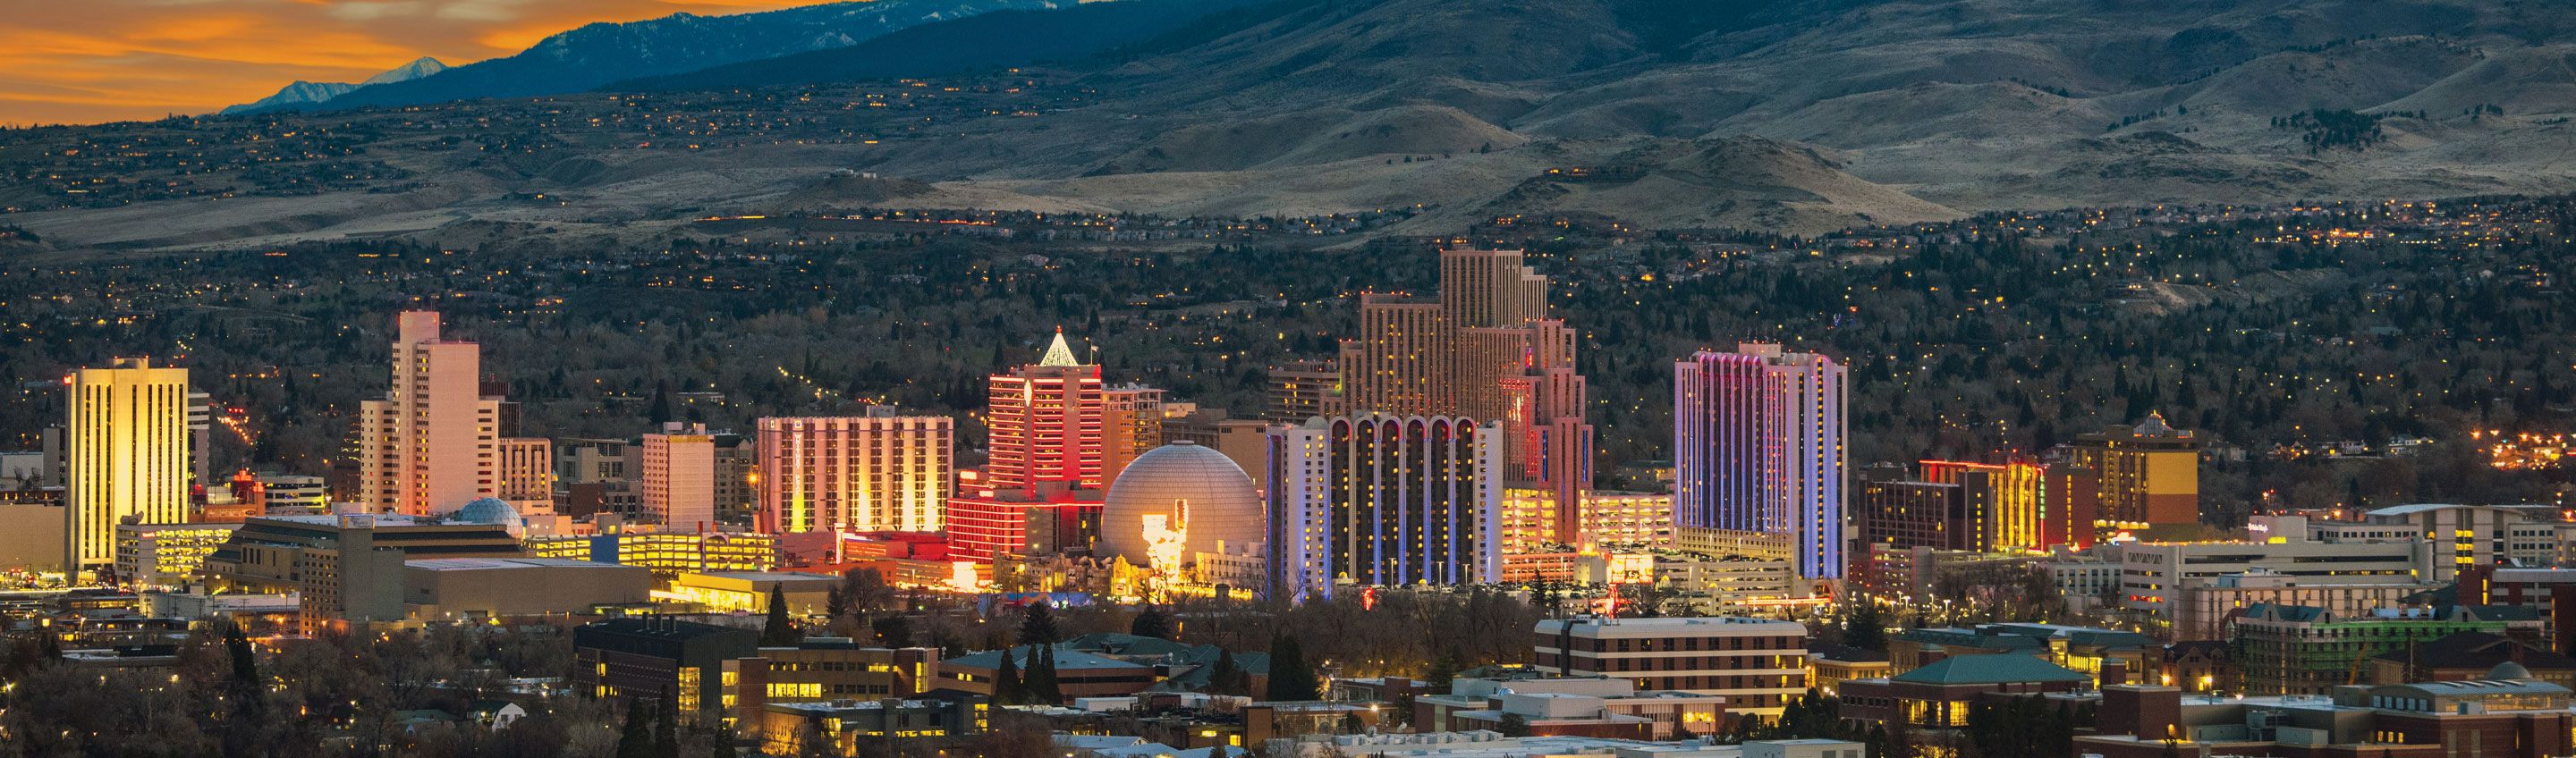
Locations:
(127, 448)
(1758, 447)
(1484, 349)
(432, 445)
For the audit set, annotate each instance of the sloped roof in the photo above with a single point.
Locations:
(1991, 669)
(1064, 659)
(2478, 650)
(1114, 643)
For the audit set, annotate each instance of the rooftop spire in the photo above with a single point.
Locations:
(1059, 354)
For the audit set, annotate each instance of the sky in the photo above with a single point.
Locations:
(89, 61)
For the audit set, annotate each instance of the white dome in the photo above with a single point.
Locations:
(1223, 504)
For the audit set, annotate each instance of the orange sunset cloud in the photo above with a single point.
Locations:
(115, 60)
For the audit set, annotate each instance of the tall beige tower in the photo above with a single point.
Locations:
(126, 455)
(680, 477)
(1484, 349)
(432, 445)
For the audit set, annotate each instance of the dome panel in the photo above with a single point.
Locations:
(1217, 501)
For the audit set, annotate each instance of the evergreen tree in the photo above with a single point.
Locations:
(1514, 725)
(1865, 628)
(1042, 687)
(245, 666)
(1151, 622)
(1226, 677)
(635, 736)
(666, 735)
(1443, 669)
(1291, 679)
(780, 631)
(1007, 687)
(1037, 625)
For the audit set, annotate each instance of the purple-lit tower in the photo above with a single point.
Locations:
(1758, 447)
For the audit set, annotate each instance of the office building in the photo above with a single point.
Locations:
(2302, 650)
(346, 568)
(1936, 699)
(1484, 349)
(877, 473)
(2202, 608)
(1568, 706)
(595, 461)
(748, 591)
(1132, 422)
(2503, 713)
(1047, 423)
(431, 445)
(126, 455)
(166, 555)
(1756, 664)
(660, 661)
(824, 669)
(679, 485)
(526, 467)
(859, 727)
(32, 528)
(666, 553)
(1302, 390)
(737, 475)
(2013, 511)
(1758, 446)
(2146, 477)
(476, 589)
(286, 494)
(1078, 674)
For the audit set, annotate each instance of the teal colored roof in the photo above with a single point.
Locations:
(1064, 659)
(2001, 668)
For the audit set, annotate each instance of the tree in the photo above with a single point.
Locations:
(1291, 678)
(780, 631)
(1037, 625)
(1443, 669)
(635, 735)
(1226, 677)
(1007, 687)
(1514, 725)
(892, 631)
(1151, 622)
(865, 591)
(1042, 687)
(1865, 628)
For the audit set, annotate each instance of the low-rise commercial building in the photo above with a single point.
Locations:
(842, 727)
(166, 555)
(823, 669)
(345, 568)
(1937, 697)
(464, 589)
(660, 661)
(1594, 706)
(667, 553)
(2304, 650)
(748, 591)
(1756, 664)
